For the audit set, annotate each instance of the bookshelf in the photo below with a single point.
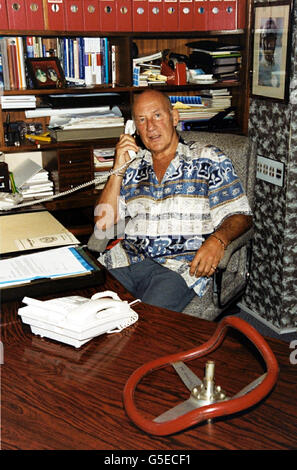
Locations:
(146, 42)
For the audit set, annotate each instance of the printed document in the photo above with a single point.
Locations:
(49, 264)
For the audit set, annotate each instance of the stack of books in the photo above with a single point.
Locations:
(223, 61)
(84, 60)
(38, 186)
(103, 162)
(32, 181)
(18, 102)
(103, 158)
(147, 70)
(216, 98)
(12, 59)
(196, 111)
(188, 100)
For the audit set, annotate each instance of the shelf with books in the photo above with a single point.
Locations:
(81, 60)
(52, 42)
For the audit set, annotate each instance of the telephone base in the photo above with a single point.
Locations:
(75, 320)
(44, 333)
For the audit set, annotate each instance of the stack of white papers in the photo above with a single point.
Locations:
(38, 186)
(91, 120)
(32, 181)
(41, 112)
(49, 264)
(19, 101)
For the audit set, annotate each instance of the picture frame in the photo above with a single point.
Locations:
(271, 50)
(45, 72)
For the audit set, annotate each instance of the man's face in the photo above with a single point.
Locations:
(269, 46)
(156, 122)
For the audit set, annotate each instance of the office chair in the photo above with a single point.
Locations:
(229, 281)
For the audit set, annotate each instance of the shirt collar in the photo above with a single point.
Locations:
(180, 154)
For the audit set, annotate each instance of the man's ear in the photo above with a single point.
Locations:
(175, 117)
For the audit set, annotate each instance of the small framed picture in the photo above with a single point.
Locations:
(271, 50)
(46, 72)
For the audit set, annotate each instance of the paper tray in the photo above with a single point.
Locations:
(41, 287)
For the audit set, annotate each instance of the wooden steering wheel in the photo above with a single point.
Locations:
(206, 401)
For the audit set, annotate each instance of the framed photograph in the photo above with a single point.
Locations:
(271, 50)
(46, 72)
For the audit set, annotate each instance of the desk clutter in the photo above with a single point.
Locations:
(31, 181)
(94, 116)
(75, 320)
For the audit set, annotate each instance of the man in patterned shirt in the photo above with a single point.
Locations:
(185, 205)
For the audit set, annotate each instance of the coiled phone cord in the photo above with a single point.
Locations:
(98, 180)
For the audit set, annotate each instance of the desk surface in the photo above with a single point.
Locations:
(58, 397)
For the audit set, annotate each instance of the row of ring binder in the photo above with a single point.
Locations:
(122, 15)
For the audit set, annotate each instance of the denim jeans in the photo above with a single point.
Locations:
(155, 285)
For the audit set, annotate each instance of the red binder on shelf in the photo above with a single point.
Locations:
(3, 15)
(155, 15)
(16, 14)
(222, 15)
(34, 12)
(241, 14)
(108, 15)
(56, 15)
(91, 15)
(170, 12)
(201, 12)
(186, 13)
(140, 15)
(74, 19)
(124, 15)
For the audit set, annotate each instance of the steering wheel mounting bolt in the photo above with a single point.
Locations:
(208, 391)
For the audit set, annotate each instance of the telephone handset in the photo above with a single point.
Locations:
(9, 201)
(75, 320)
(130, 128)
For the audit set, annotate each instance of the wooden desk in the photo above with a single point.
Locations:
(58, 397)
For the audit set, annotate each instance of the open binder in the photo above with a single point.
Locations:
(69, 268)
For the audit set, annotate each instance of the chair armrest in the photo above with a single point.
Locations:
(99, 239)
(97, 244)
(235, 245)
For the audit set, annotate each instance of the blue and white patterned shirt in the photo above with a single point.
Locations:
(170, 220)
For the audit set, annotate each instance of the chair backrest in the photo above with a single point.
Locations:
(238, 147)
(242, 153)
